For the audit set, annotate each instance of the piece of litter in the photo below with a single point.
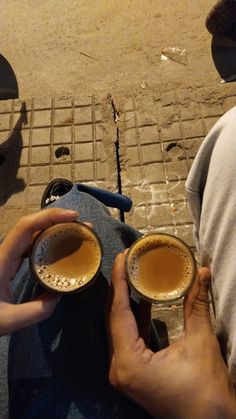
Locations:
(83, 53)
(164, 58)
(117, 118)
(179, 55)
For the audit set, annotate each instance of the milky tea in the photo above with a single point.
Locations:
(66, 257)
(160, 267)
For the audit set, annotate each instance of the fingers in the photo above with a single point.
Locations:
(121, 294)
(19, 238)
(16, 317)
(88, 224)
(124, 331)
(196, 306)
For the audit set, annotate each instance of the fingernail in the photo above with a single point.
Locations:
(72, 212)
(118, 257)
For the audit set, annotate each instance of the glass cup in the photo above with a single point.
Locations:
(66, 257)
(160, 268)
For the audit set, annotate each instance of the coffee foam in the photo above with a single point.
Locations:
(175, 246)
(59, 235)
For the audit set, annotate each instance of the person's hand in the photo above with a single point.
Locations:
(187, 380)
(12, 251)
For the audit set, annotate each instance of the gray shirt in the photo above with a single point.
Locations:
(211, 192)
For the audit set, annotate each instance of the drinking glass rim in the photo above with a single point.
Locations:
(34, 247)
(186, 290)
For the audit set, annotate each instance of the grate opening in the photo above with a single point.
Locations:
(62, 153)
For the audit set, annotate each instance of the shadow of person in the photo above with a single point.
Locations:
(8, 82)
(224, 56)
(10, 153)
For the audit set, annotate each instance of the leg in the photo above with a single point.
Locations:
(211, 189)
(221, 19)
(115, 235)
(59, 367)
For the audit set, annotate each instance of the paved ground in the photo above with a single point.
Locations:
(157, 138)
(41, 140)
(97, 105)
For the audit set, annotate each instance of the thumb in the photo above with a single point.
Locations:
(196, 305)
(18, 316)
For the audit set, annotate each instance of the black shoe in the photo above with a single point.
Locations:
(221, 17)
(55, 189)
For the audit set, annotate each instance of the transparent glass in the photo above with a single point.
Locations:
(66, 257)
(177, 257)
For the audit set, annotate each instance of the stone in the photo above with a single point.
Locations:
(132, 155)
(41, 118)
(193, 128)
(39, 175)
(62, 135)
(84, 152)
(83, 115)
(149, 135)
(151, 153)
(171, 132)
(40, 136)
(84, 172)
(62, 171)
(84, 133)
(40, 155)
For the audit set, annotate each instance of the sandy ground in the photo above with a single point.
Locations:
(45, 42)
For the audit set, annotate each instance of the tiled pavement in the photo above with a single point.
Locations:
(53, 138)
(156, 137)
(159, 136)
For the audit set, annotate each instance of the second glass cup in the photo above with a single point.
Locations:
(160, 267)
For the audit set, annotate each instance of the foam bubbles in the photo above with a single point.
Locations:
(57, 233)
(175, 246)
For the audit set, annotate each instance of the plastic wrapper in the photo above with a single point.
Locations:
(179, 55)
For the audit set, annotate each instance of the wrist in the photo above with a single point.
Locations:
(220, 408)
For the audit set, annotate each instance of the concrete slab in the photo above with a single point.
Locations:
(159, 136)
(42, 140)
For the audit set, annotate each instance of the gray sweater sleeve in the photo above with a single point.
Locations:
(211, 192)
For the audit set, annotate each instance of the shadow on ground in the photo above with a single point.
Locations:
(224, 56)
(8, 82)
(10, 153)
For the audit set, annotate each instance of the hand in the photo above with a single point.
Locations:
(17, 316)
(187, 380)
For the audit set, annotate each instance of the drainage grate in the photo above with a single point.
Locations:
(62, 153)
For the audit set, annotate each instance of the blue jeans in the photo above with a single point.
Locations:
(58, 369)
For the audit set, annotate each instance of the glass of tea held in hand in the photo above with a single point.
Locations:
(66, 257)
(160, 267)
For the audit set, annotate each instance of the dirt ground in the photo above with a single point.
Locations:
(59, 47)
